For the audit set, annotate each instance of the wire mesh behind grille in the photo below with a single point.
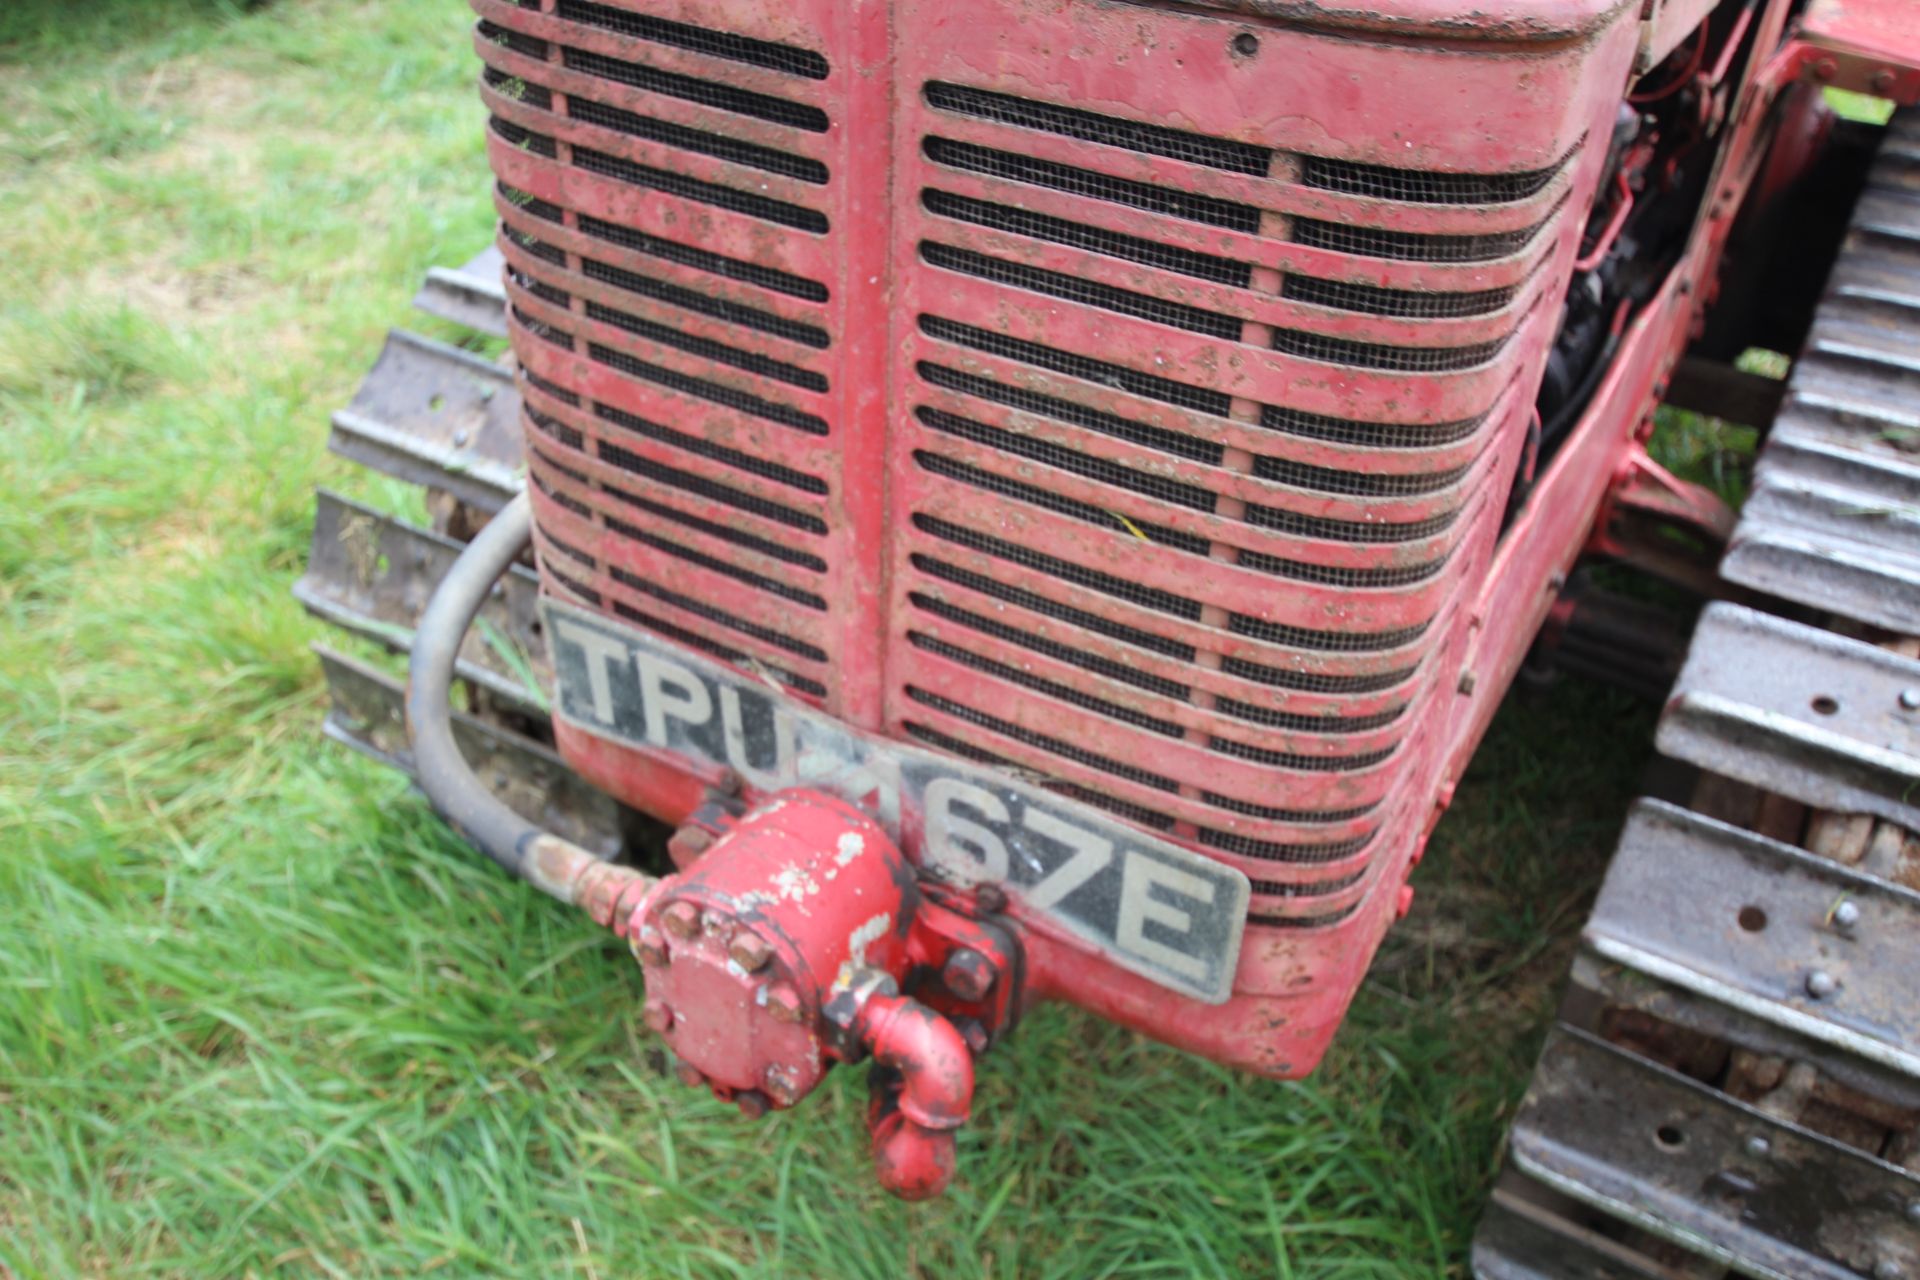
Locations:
(1416, 186)
(1142, 450)
(744, 102)
(719, 44)
(1412, 246)
(698, 141)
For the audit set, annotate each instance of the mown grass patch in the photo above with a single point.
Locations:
(261, 1015)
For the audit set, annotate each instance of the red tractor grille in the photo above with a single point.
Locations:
(1152, 463)
(1124, 395)
(667, 206)
(1187, 485)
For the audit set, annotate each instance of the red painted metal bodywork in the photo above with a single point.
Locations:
(1124, 394)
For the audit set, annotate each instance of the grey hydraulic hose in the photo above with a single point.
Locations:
(550, 863)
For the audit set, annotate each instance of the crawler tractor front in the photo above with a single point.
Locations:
(1027, 500)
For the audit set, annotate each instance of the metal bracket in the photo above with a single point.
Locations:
(437, 416)
(472, 295)
(1647, 502)
(372, 575)
(1520, 1239)
(1854, 581)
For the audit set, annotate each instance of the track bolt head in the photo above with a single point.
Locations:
(749, 950)
(649, 948)
(1821, 984)
(659, 1016)
(1758, 1147)
(783, 1004)
(682, 920)
(1910, 699)
(752, 1103)
(968, 974)
(1846, 915)
(689, 1074)
(782, 1087)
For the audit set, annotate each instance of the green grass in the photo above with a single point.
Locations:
(260, 1015)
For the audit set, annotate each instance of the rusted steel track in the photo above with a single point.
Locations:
(1735, 1082)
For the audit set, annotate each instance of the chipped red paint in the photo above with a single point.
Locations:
(812, 887)
(1117, 570)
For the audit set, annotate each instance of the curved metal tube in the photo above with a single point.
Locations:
(551, 864)
(913, 1128)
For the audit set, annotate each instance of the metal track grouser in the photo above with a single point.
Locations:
(1035, 500)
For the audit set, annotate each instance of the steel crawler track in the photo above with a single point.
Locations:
(1733, 1087)
(441, 417)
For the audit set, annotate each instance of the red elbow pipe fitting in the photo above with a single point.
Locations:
(913, 1127)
